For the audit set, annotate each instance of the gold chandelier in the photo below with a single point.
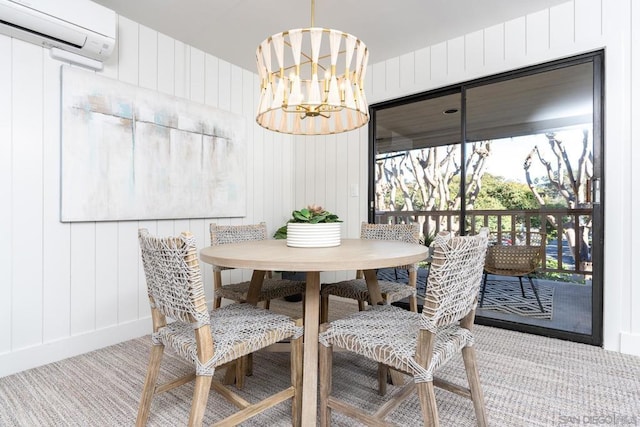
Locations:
(303, 93)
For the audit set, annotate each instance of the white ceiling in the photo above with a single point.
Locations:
(232, 29)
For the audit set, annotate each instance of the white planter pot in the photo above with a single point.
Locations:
(304, 235)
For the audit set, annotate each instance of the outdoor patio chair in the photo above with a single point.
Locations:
(391, 291)
(416, 343)
(515, 260)
(208, 340)
(271, 288)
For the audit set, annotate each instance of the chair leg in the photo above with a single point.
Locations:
(199, 403)
(535, 292)
(325, 377)
(248, 367)
(267, 304)
(149, 384)
(217, 302)
(296, 381)
(383, 378)
(521, 287)
(427, 397)
(241, 365)
(471, 367)
(484, 286)
(360, 305)
(324, 309)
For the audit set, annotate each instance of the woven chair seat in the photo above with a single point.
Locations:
(271, 289)
(388, 334)
(357, 289)
(237, 330)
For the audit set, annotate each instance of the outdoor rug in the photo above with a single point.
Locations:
(505, 296)
(502, 294)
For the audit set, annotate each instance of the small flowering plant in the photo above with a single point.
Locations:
(312, 214)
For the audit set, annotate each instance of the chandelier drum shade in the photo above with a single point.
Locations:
(312, 82)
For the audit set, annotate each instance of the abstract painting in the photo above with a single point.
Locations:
(130, 153)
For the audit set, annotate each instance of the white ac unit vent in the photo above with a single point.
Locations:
(80, 27)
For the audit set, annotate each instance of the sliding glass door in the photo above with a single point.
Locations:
(519, 153)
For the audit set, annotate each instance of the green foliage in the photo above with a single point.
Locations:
(498, 193)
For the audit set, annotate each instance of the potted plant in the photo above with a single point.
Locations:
(311, 227)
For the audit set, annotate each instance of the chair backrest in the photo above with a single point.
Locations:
(455, 275)
(172, 272)
(515, 260)
(409, 233)
(225, 234)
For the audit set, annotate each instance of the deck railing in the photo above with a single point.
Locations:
(571, 227)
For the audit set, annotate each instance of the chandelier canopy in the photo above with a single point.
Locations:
(312, 81)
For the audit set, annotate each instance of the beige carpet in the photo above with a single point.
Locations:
(527, 380)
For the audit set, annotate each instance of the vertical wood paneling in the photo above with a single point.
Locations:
(330, 195)
(211, 80)
(379, 79)
(561, 25)
(392, 74)
(83, 278)
(106, 260)
(6, 184)
(147, 58)
(494, 45)
(248, 87)
(262, 145)
(515, 42)
(635, 160)
(455, 58)
(196, 89)
(355, 158)
(474, 51)
(224, 85)
(617, 167)
(235, 105)
(166, 63)
(407, 70)
(319, 176)
(537, 32)
(27, 127)
(128, 261)
(179, 74)
(56, 235)
(128, 52)
(423, 66)
(439, 63)
(588, 20)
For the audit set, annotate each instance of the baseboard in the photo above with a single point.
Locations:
(630, 343)
(32, 357)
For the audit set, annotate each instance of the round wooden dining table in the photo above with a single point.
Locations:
(274, 255)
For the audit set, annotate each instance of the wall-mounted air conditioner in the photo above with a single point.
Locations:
(67, 26)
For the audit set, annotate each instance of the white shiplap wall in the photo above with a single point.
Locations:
(70, 288)
(568, 29)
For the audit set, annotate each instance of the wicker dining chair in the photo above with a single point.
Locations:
(271, 288)
(416, 343)
(391, 291)
(515, 260)
(208, 340)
